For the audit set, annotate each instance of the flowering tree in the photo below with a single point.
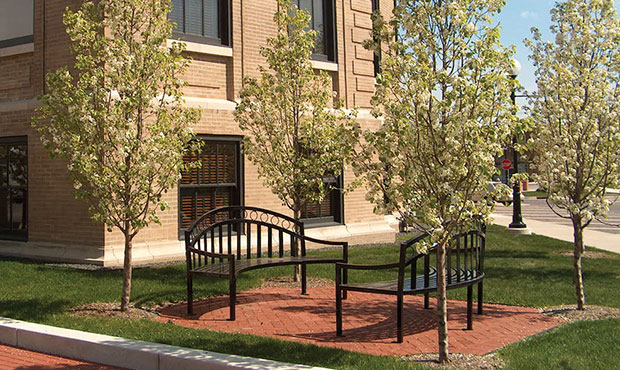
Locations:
(117, 117)
(576, 138)
(444, 94)
(297, 134)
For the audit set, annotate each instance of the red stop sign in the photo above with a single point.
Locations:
(506, 164)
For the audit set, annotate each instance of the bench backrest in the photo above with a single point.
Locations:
(465, 254)
(243, 231)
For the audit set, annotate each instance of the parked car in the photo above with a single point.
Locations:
(497, 192)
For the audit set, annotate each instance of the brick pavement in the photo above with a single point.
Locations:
(12, 358)
(369, 321)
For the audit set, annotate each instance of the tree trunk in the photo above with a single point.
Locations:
(442, 306)
(577, 263)
(127, 270)
(297, 273)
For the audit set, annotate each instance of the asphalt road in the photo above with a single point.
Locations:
(537, 209)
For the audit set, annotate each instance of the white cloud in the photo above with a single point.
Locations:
(528, 14)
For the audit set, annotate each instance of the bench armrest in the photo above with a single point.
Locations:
(321, 241)
(345, 245)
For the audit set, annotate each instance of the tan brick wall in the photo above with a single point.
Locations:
(56, 217)
(208, 76)
(16, 77)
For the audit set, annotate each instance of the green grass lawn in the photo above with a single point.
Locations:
(581, 345)
(521, 270)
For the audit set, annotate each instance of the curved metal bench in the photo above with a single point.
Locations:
(464, 264)
(230, 240)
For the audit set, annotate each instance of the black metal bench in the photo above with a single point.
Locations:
(464, 264)
(230, 240)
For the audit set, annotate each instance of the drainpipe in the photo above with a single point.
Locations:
(43, 46)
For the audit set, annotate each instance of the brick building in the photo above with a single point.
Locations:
(40, 218)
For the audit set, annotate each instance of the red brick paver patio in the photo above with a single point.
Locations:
(12, 358)
(369, 321)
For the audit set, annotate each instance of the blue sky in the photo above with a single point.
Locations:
(516, 20)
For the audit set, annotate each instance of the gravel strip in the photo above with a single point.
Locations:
(458, 361)
(591, 255)
(570, 312)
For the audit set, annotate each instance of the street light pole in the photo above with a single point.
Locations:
(517, 223)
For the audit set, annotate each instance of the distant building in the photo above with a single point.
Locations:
(40, 218)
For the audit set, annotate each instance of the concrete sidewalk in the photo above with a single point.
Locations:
(592, 238)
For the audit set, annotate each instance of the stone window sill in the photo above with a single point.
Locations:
(195, 47)
(17, 49)
(325, 66)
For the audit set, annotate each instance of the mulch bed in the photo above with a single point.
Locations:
(289, 282)
(114, 310)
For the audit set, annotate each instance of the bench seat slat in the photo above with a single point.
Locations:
(223, 269)
(466, 276)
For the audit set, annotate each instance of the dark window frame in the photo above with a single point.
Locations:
(17, 41)
(224, 27)
(239, 174)
(10, 234)
(376, 54)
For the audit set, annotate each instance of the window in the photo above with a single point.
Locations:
(323, 18)
(330, 209)
(14, 188)
(16, 22)
(217, 183)
(206, 21)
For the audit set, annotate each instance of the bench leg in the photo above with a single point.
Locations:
(345, 280)
(232, 296)
(480, 298)
(426, 301)
(470, 293)
(304, 284)
(338, 308)
(190, 295)
(399, 319)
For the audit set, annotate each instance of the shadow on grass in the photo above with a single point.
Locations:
(32, 309)
(491, 253)
(540, 272)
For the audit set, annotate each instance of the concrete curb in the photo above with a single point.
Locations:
(127, 353)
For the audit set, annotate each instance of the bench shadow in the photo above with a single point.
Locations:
(382, 320)
(207, 305)
(380, 316)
